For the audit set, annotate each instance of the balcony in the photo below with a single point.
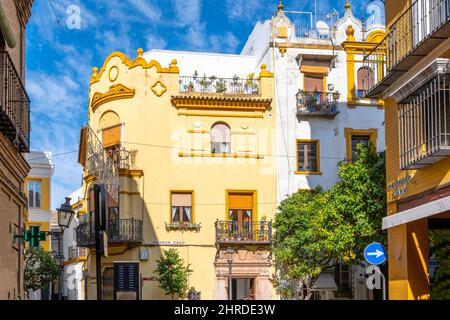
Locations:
(76, 253)
(121, 232)
(120, 157)
(424, 124)
(317, 104)
(14, 105)
(235, 86)
(422, 27)
(234, 232)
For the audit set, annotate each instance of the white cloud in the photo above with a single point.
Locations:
(227, 42)
(244, 10)
(146, 8)
(155, 42)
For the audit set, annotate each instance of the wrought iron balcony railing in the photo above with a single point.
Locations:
(99, 163)
(213, 84)
(123, 231)
(14, 105)
(120, 157)
(412, 36)
(424, 124)
(317, 103)
(234, 232)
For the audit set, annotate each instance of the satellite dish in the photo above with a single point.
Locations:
(322, 28)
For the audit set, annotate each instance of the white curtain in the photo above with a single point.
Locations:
(188, 211)
(174, 212)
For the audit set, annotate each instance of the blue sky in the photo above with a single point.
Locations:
(60, 58)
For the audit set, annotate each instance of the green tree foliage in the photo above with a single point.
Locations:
(440, 251)
(173, 274)
(40, 268)
(316, 228)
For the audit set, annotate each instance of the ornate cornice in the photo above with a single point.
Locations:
(438, 66)
(138, 62)
(116, 92)
(224, 103)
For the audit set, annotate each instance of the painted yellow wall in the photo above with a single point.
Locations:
(45, 191)
(172, 148)
(428, 178)
(408, 262)
(408, 248)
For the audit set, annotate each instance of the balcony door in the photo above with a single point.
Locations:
(240, 216)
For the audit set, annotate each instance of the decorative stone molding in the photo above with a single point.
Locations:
(264, 72)
(138, 62)
(212, 102)
(159, 88)
(116, 92)
(113, 73)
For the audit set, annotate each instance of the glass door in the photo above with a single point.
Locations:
(241, 224)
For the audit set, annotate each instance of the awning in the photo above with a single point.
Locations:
(421, 212)
(325, 282)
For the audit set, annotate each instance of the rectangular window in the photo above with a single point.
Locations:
(354, 137)
(363, 140)
(343, 279)
(34, 194)
(424, 124)
(308, 156)
(181, 207)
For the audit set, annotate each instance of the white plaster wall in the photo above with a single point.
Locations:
(330, 132)
(219, 65)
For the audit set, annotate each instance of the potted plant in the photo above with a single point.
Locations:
(204, 83)
(220, 86)
(250, 83)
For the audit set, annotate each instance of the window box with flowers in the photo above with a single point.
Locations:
(183, 226)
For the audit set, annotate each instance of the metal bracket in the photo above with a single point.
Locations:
(397, 256)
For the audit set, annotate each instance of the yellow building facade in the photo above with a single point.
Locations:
(412, 78)
(194, 160)
(38, 191)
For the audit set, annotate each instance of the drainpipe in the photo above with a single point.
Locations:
(5, 28)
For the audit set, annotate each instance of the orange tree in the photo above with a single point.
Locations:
(315, 229)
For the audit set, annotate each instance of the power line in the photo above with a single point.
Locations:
(54, 13)
(55, 155)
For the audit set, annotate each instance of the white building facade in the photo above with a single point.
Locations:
(322, 115)
(75, 257)
(38, 190)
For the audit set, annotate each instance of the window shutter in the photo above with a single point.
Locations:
(240, 201)
(111, 136)
(313, 82)
(181, 199)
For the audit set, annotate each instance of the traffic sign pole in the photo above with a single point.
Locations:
(376, 254)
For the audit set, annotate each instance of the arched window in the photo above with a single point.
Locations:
(220, 138)
(365, 81)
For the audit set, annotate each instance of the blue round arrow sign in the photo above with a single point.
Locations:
(375, 254)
